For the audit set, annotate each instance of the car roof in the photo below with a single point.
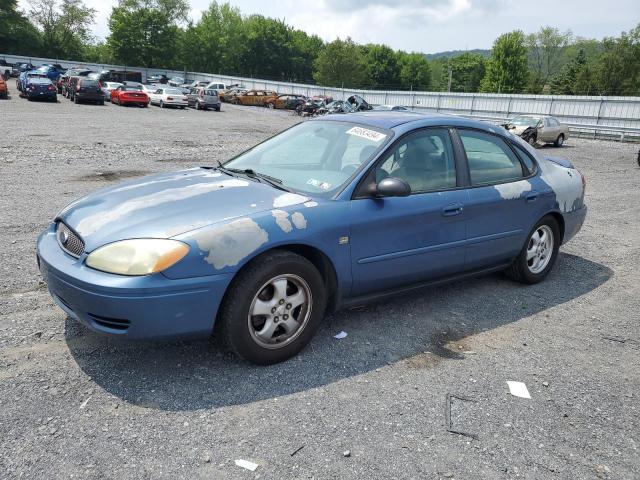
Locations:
(390, 119)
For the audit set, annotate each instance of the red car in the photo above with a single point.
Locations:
(130, 94)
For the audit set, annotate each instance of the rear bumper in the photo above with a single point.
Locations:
(149, 307)
(46, 95)
(90, 97)
(573, 223)
(136, 101)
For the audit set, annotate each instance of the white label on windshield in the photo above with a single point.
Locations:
(366, 133)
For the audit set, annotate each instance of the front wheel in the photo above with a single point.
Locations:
(539, 254)
(560, 140)
(273, 308)
(271, 106)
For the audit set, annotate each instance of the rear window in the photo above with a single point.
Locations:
(211, 93)
(132, 88)
(89, 83)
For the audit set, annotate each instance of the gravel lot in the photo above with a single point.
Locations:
(77, 405)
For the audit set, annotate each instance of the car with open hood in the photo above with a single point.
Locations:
(539, 129)
(331, 213)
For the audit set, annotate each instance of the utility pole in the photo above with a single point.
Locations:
(450, 77)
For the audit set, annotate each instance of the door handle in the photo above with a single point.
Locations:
(531, 197)
(453, 209)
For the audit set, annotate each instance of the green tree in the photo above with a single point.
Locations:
(467, 71)
(414, 71)
(618, 69)
(506, 70)
(340, 63)
(64, 26)
(545, 52)
(565, 82)
(146, 32)
(267, 47)
(382, 66)
(18, 36)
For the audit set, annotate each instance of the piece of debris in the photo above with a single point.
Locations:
(297, 450)
(207, 458)
(84, 404)
(247, 464)
(518, 389)
(346, 453)
(447, 415)
(340, 335)
(545, 384)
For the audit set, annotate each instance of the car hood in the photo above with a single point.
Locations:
(165, 205)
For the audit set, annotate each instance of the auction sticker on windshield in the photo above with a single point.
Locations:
(366, 133)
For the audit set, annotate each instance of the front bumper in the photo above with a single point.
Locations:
(573, 223)
(148, 307)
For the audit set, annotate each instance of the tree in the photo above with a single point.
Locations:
(467, 71)
(146, 32)
(415, 71)
(546, 49)
(341, 63)
(565, 82)
(506, 70)
(64, 26)
(618, 68)
(18, 36)
(382, 66)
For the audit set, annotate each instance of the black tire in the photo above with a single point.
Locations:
(161, 104)
(519, 270)
(76, 100)
(559, 141)
(197, 105)
(234, 313)
(101, 102)
(218, 108)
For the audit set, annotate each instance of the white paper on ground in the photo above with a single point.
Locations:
(340, 335)
(518, 389)
(247, 464)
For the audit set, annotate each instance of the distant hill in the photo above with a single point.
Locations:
(455, 53)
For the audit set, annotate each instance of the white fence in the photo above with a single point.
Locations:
(597, 116)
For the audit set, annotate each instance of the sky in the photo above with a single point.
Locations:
(426, 26)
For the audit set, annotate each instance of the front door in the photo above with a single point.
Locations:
(402, 240)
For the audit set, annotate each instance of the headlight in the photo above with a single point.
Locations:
(137, 257)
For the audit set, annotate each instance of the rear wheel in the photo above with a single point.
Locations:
(270, 106)
(539, 254)
(197, 105)
(273, 308)
(560, 140)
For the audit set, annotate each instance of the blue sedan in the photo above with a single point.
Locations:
(330, 213)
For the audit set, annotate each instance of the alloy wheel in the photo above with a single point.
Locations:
(540, 249)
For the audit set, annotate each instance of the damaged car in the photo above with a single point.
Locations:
(538, 129)
(331, 213)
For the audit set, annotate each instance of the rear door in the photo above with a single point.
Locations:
(401, 240)
(503, 202)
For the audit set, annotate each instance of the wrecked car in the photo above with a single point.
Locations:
(339, 106)
(330, 213)
(538, 129)
(358, 103)
(312, 105)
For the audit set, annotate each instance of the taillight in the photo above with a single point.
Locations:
(78, 87)
(169, 98)
(51, 87)
(185, 98)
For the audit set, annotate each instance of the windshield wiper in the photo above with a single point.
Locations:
(261, 177)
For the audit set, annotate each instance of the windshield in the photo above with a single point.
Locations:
(316, 157)
(525, 121)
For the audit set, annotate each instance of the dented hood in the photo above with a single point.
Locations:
(165, 205)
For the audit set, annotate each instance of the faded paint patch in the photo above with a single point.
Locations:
(310, 204)
(566, 184)
(509, 191)
(299, 221)
(282, 219)
(288, 199)
(228, 244)
(95, 222)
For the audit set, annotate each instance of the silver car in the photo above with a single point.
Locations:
(545, 129)
(203, 99)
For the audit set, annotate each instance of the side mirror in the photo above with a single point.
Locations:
(392, 187)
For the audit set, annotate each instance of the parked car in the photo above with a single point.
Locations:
(107, 88)
(256, 98)
(197, 83)
(331, 213)
(229, 95)
(539, 129)
(219, 87)
(313, 105)
(24, 78)
(203, 99)
(5, 69)
(158, 78)
(176, 81)
(85, 89)
(52, 72)
(4, 88)
(390, 108)
(40, 88)
(169, 97)
(150, 89)
(63, 82)
(337, 106)
(288, 101)
(130, 95)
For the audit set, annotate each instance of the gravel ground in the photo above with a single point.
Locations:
(77, 405)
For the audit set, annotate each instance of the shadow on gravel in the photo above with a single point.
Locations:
(198, 374)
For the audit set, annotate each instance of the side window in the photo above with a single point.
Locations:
(525, 158)
(424, 160)
(490, 159)
(553, 122)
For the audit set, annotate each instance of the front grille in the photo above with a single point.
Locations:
(68, 240)
(112, 323)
